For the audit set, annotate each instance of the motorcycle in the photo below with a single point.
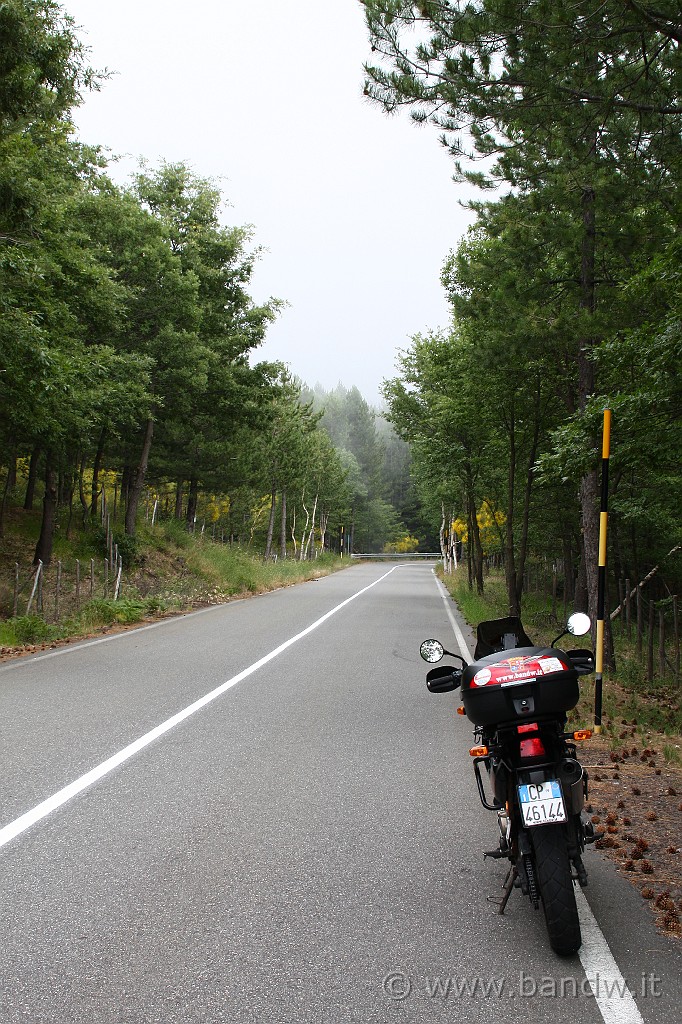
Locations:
(517, 696)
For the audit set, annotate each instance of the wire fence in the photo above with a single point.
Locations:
(59, 590)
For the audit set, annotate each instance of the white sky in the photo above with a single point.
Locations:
(356, 210)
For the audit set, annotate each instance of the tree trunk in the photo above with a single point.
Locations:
(324, 519)
(32, 477)
(470, 560)
(135, 492)
(525, 516)
(43, 551)
(441, 540)
(513, 596)
(305, 528)
(81, 491)
(97, 465)
(2, 504)
(580, 593)
(178, 499)
(293, 535)
(126, 478)
(271, 524)
(283, 527)
(70, 486)
(589, 503)
(192, 501)
(311, 531)
(12, 472)
(474, 533)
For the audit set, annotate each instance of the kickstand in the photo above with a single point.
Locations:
(506, 890)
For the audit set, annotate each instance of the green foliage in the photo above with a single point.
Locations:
(567, 289)
(27, 629)
(174, 532)
(126, 327)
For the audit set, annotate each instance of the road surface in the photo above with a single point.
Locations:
(257, 813)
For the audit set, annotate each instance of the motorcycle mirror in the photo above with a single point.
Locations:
(579, 623)
(432, 651)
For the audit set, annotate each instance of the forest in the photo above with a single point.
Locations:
(565, 293)
(129, 382)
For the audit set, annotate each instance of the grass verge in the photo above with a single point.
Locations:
(170, 571)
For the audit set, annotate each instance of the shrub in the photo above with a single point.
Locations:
(31, 629)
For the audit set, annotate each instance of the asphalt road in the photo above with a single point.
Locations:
(307, 846)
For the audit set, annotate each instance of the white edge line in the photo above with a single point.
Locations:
(614, 999)
(459, 636)
(612, 995)
(41, 810)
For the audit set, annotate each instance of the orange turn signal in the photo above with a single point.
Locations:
(460, 710)
(478, 751)
(582, 734)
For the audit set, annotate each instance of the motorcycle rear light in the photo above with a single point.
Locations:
(478, 751)
(582, 734)
(460, 710)
(532, 748)
(528, 727)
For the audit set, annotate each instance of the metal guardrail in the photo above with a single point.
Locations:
(430, 555)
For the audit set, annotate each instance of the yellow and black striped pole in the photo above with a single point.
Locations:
(601, 578)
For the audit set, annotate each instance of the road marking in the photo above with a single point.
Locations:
(608, 985)
(41, 810)
(613, 997)
(459, 636)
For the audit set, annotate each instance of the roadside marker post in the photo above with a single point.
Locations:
(601, 577)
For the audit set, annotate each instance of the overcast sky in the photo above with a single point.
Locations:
(356, 210)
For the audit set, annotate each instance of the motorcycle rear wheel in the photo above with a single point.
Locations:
(553, 873)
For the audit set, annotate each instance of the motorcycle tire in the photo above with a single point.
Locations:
(555, 883)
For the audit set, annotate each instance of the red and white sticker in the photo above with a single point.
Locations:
(517, 670)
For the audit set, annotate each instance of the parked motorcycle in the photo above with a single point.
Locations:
(517, 695)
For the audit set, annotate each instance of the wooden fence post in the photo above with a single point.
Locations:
(650, 644)
(628, 609)
(106, 578)
(92, 578)
(117, 587)
(676, 634)
(621, 599)
(640, 623)
(15, 605)
(661, 642)
(78, 585)
(57, 590)
(39, 570)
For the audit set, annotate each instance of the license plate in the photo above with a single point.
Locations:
(542, 803)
